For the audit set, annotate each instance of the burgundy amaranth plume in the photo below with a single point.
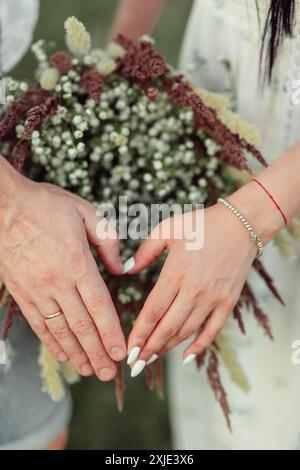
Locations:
(62, 61)
(92, 82)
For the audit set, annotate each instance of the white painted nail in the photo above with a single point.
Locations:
(128, 265)
(138, 368)
(189, 359)
(133, 355)
(152, 359)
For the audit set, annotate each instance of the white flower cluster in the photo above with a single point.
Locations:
(14, 89)
(124, 145)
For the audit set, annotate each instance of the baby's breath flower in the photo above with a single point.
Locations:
(80, 147)
(23, 86)
(123, 149)
(13, 85)
(202, 182)
(95, 157)
(78, 134)
(56, 141)
(147, 38)
(211, 146)
(72, 152)
(90, 104)
(88, 60)
(103, 115)
(83, 126)
(66, 135)
(19, 131)
(10, 99)
(77, 120)
(157, 165)
(94, 122)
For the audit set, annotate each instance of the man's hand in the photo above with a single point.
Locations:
(47, 266)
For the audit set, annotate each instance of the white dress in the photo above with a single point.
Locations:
(221, 53)
(17, 22)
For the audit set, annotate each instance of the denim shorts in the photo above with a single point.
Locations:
(29, 419)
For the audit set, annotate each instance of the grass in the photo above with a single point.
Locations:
(96, 422)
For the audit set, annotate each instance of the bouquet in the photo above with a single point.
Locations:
(119, 121)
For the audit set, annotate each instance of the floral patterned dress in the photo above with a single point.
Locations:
(221, 52)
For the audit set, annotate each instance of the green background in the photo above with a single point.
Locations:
(96, 423)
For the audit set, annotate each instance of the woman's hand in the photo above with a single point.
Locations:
(47, 266)
(195, 286)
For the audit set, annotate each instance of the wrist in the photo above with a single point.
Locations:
(259, 209)
(11, 183)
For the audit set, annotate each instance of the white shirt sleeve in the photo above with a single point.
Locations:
(17, 21)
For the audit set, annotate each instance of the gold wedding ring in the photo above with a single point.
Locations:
(53, 315)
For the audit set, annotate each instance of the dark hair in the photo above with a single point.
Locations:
(279, 22)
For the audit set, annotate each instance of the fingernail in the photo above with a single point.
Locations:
(189, 359)
(62, 357)
(138, 368)
(86, 369)
(128, 265)
(133, 355)
(106, 374)
(152, 359)
(118, 353)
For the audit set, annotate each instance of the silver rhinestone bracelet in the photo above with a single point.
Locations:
(252, 234)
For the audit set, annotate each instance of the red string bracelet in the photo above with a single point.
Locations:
(271, 197)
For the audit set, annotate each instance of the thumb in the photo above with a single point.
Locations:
(146, 254)
(102, 235)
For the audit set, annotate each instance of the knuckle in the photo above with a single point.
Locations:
(98, 357)
(183, 335)
(40, 327)
(82, 327)
(76, 258)
(97, 303)
(109, 333)
(201, 343)
(148, 350)
(49, 275)
(153, 315)
(167, 333)
(228, 302)
(31, 283)
(61, 332)
(78, 356)
(210, 335)
(195, 289)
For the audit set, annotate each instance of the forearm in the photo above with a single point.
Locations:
(136, 17)
(282, 180)
(8, 185)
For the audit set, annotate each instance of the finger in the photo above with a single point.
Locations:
(39, 327)
(98, 303)
(59, 328)
(190, 323)
(84, 328)
(211, 330)
(158, 302)
(168, 327)
(188, 329)
(103, 237)
(149, 250)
